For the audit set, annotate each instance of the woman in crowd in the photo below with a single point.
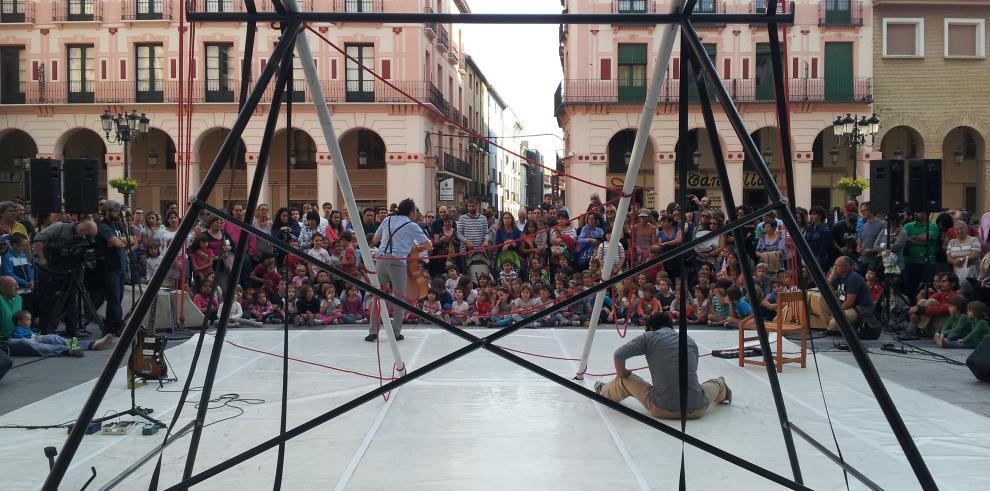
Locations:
(771, 248)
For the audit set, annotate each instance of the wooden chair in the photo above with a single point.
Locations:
(790, 318)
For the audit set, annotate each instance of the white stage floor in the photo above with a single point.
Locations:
(484, 423)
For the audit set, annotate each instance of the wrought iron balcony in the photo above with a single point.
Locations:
(840, 13)
(146, 10)
(456, 166)
(846, 90)
(367, 6)
(213, 6)
(633, 6)
(17, 11)
(436, 98)
(430, 28)
(454, 55)
(443, 39)
(455, 115)
(77, 11)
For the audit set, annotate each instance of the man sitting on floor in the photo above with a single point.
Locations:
(15, 324)
(662, 399)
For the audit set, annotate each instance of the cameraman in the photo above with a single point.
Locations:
(112, 248)
(50, 278)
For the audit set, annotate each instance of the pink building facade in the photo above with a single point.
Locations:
(606, 68)
(65, 61)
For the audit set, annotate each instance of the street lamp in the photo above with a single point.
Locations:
(898, 154)
(293, 160)
(960, 155)
(124, 128)
(856, 129)
(152, 159)
(767, 157)
(362, 159)
(834, 153)
(696, 159)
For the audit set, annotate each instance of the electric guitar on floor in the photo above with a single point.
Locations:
(148, 361)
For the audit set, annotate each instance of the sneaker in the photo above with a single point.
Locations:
(576, 323)
(74, 343)
(371, 337)
(298, 320)
(728, 392)
(598, 387)
(537, 324)
(76, 352)
(312, 321)
(100, 344)
(399, 337)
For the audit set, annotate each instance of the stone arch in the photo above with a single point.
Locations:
(303, 173)
(364, 152)
(157, 182)
(905, 138)
(963, 153)
(232, 184)
(84, 143)
(16, 147)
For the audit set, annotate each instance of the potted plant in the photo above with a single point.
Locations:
(853, 185)
(124, 186)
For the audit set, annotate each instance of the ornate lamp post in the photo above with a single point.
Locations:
(123, 128)
(858, 130)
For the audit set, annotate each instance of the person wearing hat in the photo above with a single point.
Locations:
(112, 247)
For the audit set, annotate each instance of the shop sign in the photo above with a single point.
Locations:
(709, 179)
(447, 189)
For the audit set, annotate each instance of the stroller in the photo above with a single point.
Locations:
(478, 265)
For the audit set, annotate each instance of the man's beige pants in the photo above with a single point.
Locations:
(621, 388)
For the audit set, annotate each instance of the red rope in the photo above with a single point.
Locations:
(308, 362)
(375, 309)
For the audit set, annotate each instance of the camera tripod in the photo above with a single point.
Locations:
(76, 292)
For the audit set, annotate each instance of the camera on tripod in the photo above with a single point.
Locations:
(72, 255)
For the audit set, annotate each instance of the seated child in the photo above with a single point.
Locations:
(23, 341)
(552, 319)
(205, 302)
(647, 306)
(263, 310)
(502, 311)
(352, 308)
(507, 274)
(330, 306)
(719, 312)
(482, 310)
(960, 338)
(460, 310)
(307, 307)
(740, 312)
(703, 306)
(524, 304)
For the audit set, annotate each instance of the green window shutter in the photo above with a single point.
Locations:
(633, 54)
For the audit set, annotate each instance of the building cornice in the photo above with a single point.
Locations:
(929, 3)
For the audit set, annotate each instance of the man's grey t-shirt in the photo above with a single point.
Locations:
(869, 232)
(660, 349)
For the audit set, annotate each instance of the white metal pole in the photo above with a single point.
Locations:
(668, 35)
(305, 56)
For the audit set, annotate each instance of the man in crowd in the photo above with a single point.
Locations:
(472, 228)
(919, 254)
(522, 218)
(662, 399)
(368, 224)
(818, 235)
(866, 239)
(436, 228)
(49, 276)
(853, 293)
(844, 237)
(398, 236)
(9, 216)
(112, 245)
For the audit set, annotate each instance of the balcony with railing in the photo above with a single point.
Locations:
(455, 166)
(438, 101)
(443, 39)
(455, 115)
(430, 28)
(220, 6)
(17, 11)
(364, 6)
(841, 90)
(146, 10)
(77, 11)
(633, 6)
(167, 91)
(710, 7)
(454, 55)
(840, 13)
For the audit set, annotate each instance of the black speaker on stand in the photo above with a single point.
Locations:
(44, 186)
(925, 185)
(82, 185)
(887, 186)
(979, 361)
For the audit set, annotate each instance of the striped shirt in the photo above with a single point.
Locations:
(474, 229)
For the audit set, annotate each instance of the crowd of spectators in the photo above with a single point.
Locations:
(925, 276)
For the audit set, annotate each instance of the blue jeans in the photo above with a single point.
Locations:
(44, 346)
(113, 291)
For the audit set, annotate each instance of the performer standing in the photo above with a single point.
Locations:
(397, 235)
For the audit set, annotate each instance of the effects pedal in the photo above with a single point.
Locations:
(118, 428)
(890, 347)
(149, 429)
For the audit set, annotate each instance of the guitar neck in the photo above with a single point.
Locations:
(154, 316)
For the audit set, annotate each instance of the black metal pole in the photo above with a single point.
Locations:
(282, 51)
(144, 303)
(744, 264)
(280, 459)
(783, 115)
(683, 129)
(452, 18)
(873, 379)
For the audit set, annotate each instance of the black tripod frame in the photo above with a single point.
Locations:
(702, 65)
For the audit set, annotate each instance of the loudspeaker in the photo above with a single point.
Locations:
(45, 186)
(82, 185)
(925, 185)
(979, 360)
(887, 186)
